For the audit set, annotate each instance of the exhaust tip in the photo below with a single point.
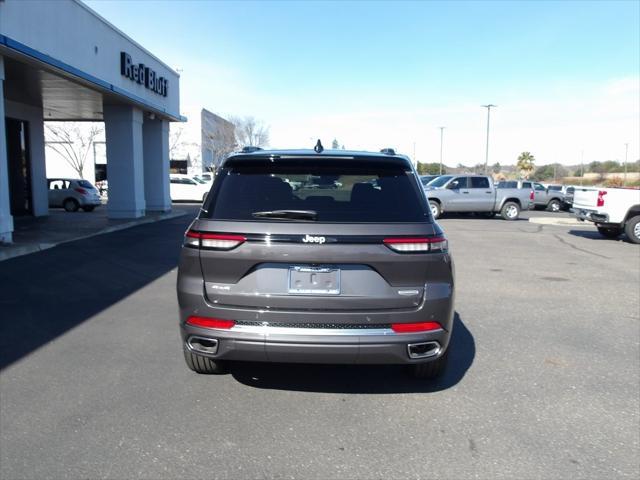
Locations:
(423, 350)
(208, 346)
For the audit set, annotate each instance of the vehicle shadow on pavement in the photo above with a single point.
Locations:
(46, 294)
(360, 378)
(594, 235)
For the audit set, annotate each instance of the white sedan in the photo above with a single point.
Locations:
(184, 187)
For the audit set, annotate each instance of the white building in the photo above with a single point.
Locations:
(62, 61)
(205, 139)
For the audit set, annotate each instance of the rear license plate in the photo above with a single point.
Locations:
(304, 280)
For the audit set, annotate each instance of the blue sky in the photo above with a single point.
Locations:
(562, 73)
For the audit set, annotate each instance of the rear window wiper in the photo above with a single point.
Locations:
(287, 214)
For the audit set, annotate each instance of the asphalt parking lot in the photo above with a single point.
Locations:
(543, 382)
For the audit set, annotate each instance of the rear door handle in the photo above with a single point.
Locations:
(488, 193)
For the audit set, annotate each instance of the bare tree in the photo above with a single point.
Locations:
(72, 141)
(175, 141)
(250, 132)
(222, 143)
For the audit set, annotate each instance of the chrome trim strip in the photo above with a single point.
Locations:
(267, 330)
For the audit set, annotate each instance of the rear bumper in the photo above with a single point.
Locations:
(93, 202)
(299, 348)
(259, 335)
(591, 215)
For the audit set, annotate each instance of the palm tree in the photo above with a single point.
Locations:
(526, 164)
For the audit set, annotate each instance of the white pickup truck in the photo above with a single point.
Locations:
(613, 210)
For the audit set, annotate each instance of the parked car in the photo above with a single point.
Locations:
(476, 193)
(548, 198)
(204, 178)
(425, 179)
(331, 275)
(613, 210)
(544, 197)
(72, 194)
(568, 192)
(186, 188)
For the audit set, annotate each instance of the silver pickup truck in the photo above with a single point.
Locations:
(546, 197)
(476, 193)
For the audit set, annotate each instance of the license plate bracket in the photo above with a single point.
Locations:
(313, 280)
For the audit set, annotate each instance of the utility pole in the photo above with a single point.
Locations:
(441, 134)
(486, 158)
(626, 155)
(582, 167)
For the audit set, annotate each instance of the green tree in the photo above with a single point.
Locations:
(335, 145)
(550, 172)
(496, 167)
(430, 168)
(596, 167)
(611, 166)
(526, 164)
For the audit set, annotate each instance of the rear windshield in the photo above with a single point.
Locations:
(85, 184)
(341, 191)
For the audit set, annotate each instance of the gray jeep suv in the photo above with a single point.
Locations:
(356, 273)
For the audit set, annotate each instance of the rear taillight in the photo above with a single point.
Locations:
(81, 191)
(415, 327)
(532, 195)
(206, 322)
(212, 241)
(601, 194)
(417, 245)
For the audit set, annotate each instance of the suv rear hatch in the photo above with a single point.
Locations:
(318, 233)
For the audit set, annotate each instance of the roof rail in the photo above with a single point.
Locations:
(250, 148)
(388, 151)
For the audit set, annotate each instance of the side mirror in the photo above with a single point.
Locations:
(455, 185)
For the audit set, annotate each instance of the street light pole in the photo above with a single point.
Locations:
(486, 158)
(441, 135)
(626, 155)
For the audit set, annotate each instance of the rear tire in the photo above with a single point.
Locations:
(554, 206)
(205, 365)
(430, 370)
(88, 208)
(610, 232)
(632, 229)
(510, 211)
(70, 205)
(435, 209)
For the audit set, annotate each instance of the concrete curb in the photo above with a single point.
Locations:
(13, 251)
(561, 222)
